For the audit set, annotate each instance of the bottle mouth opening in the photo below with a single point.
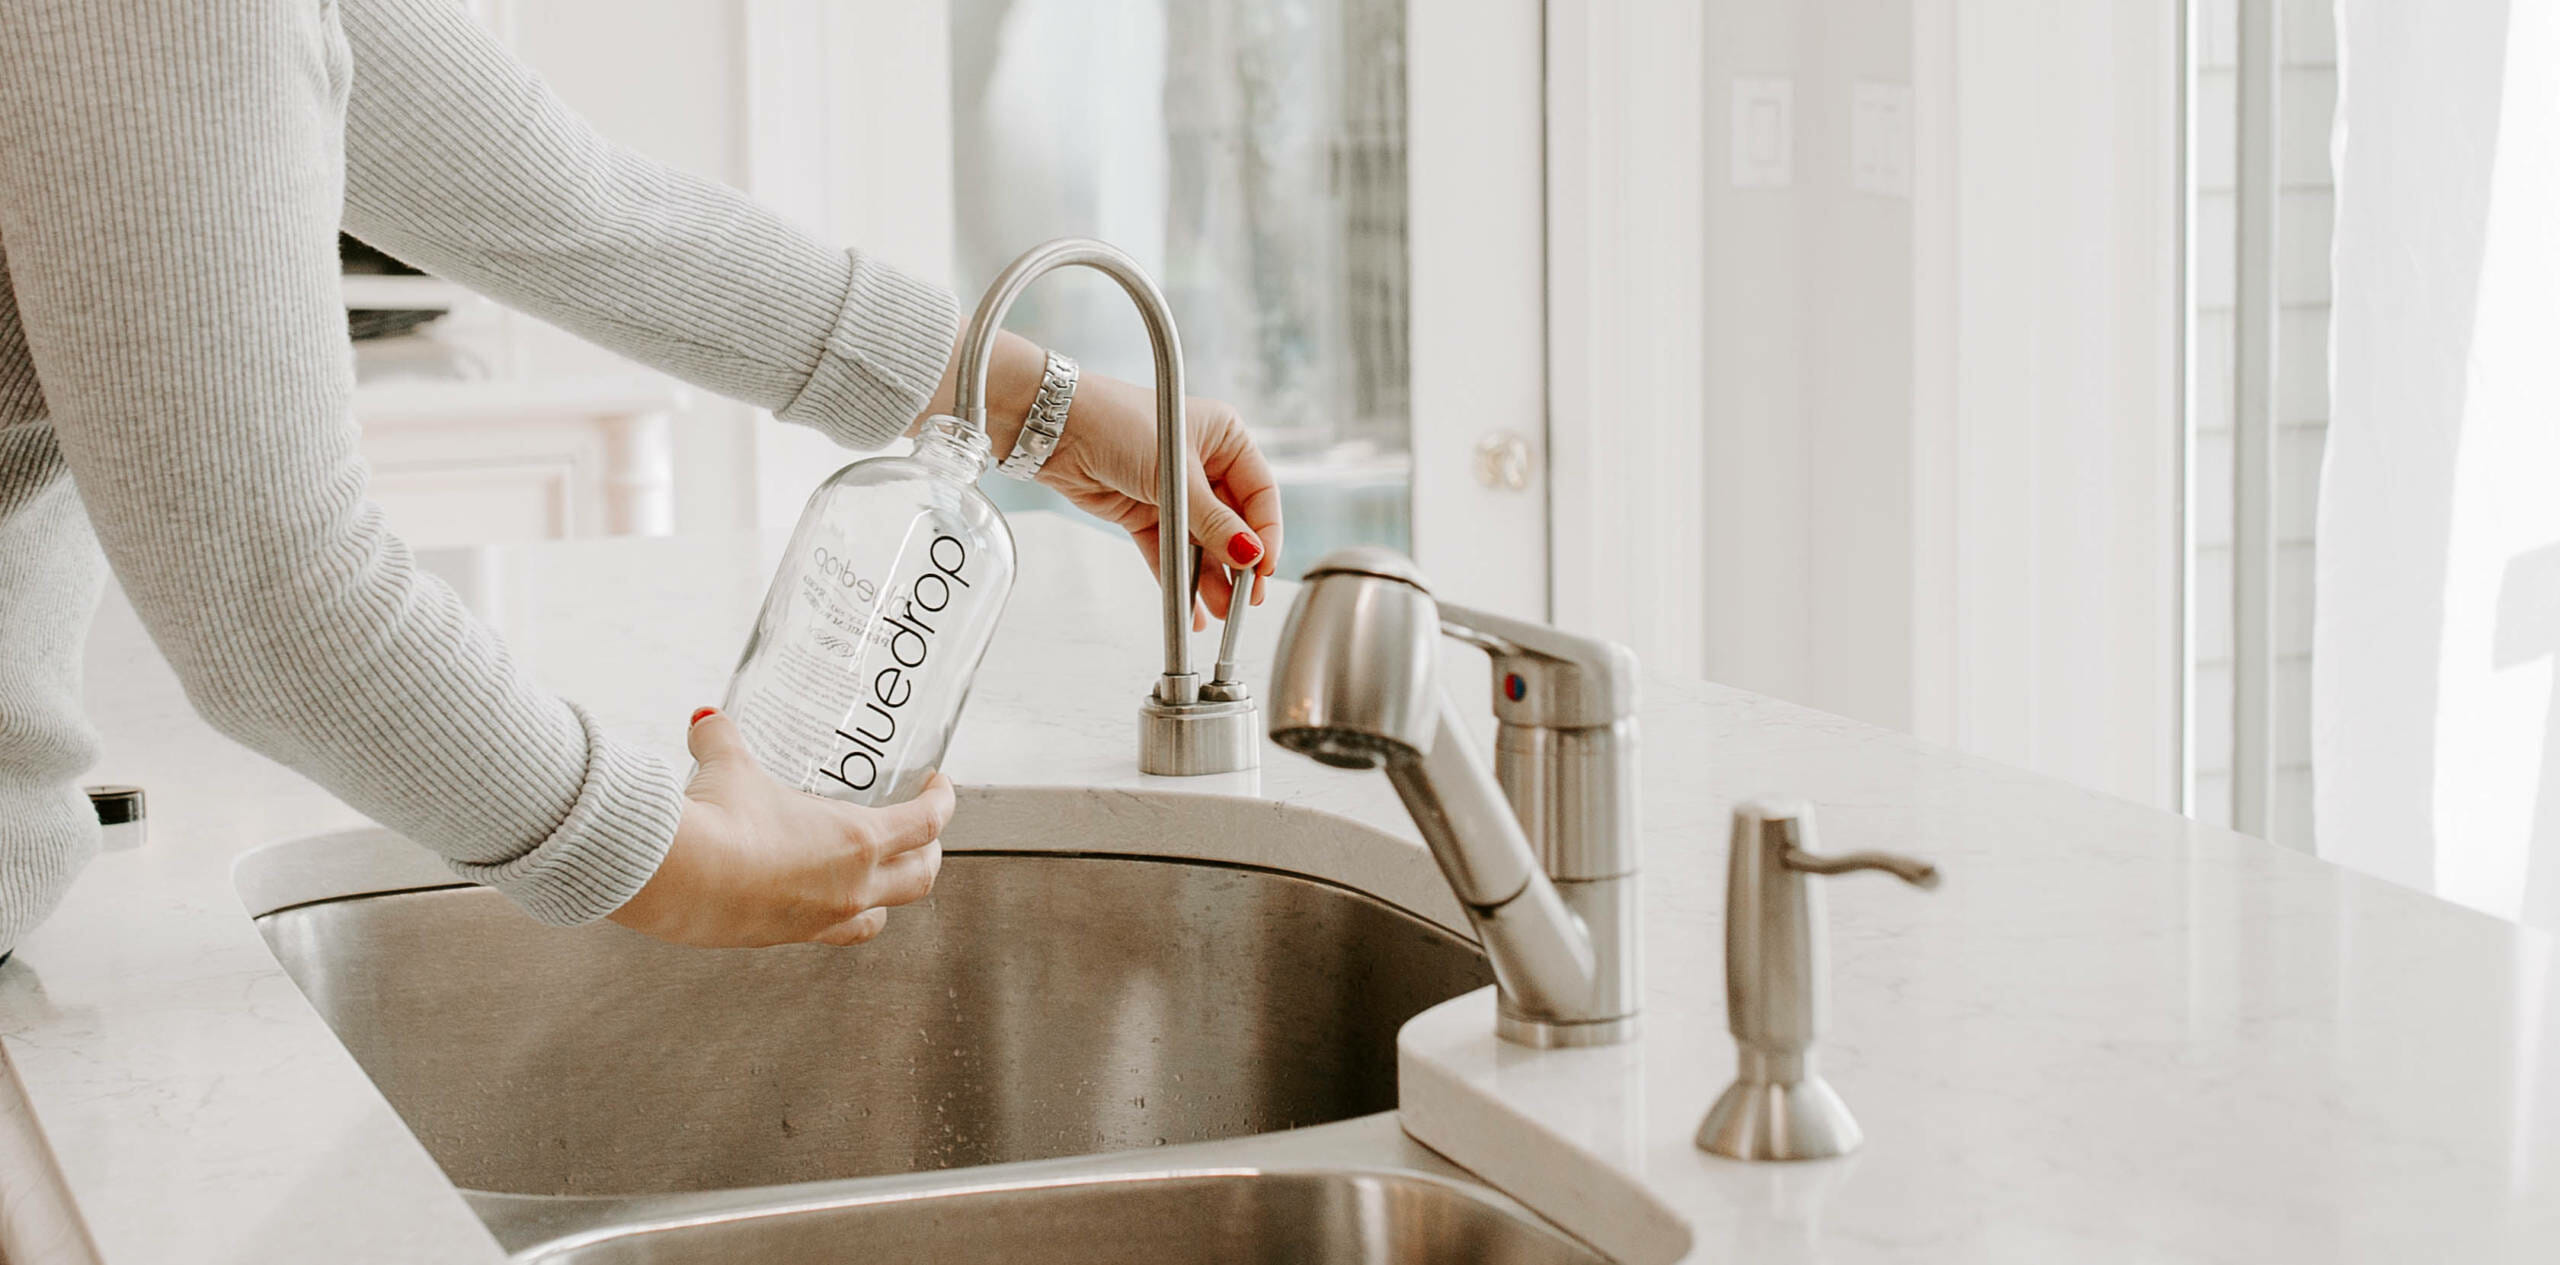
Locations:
(944, 429)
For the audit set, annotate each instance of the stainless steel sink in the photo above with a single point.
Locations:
(1113, 1034)
(1312, 1217)
(1040, 1004)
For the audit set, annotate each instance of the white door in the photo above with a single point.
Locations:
(1475, 123)
(1343, 200)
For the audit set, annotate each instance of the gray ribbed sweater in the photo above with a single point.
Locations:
(174, 385)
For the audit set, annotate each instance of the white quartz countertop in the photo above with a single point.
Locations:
(2113, 1035)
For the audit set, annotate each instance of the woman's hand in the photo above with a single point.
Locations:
(756, 863)
(1106, 465)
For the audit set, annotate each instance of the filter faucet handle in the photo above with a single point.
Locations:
(1224, 685)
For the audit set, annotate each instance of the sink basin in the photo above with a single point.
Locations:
(1302, 1218)
(1045, 1002)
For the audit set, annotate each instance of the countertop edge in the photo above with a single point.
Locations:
(1483, 1132)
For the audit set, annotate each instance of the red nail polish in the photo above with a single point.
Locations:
(699, 714)
(1244, 548)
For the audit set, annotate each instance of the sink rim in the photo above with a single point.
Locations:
(1149, 825)
(537, 1229)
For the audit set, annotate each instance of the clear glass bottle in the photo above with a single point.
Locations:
(877, 618)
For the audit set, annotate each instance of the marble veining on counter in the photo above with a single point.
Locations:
(2113, 1035)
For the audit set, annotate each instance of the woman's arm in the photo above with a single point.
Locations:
(169, 203)
(461, 161)
(169, 197)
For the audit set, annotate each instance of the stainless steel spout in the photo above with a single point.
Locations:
(1183, 729)
(1541, 851)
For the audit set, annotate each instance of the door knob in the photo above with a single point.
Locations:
(1502, 461)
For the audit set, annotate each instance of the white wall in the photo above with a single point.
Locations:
(822, 77)
(2063, 647)
(1942, 408)
(767, 95)
(1809, 371)
(665, 77)
(1626, 315)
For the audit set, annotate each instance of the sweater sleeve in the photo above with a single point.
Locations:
(170, 188)
(460, 161)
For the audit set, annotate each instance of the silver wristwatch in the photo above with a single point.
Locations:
(1047, 421)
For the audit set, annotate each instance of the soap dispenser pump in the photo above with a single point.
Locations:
(1777, 969)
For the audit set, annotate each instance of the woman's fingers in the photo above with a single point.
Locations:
(720, 754)
(1243, 478)
(756, 863)
(1223, 534)
(905, 827)
(858, 929)
(899, 851)
(1217, 591)
(1209, 596)
(1146, 538)
(902, 858)
(906, 879)
(1234, 502)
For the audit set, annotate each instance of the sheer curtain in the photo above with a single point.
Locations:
(2436, 727)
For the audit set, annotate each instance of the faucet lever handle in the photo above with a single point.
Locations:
(1912, 870)
(1544, 677)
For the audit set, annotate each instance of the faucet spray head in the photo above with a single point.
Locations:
(1356, 681)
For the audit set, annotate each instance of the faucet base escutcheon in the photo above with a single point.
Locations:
(1192, 739)
(1546, 1034)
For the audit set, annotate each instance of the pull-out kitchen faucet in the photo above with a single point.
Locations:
(1542, 853)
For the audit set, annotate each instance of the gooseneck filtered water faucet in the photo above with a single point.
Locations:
(1185, 727)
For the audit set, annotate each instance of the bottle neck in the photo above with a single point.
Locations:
(951, 447)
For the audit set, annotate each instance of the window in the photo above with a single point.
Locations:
(1253, 157)
(2259, 406)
